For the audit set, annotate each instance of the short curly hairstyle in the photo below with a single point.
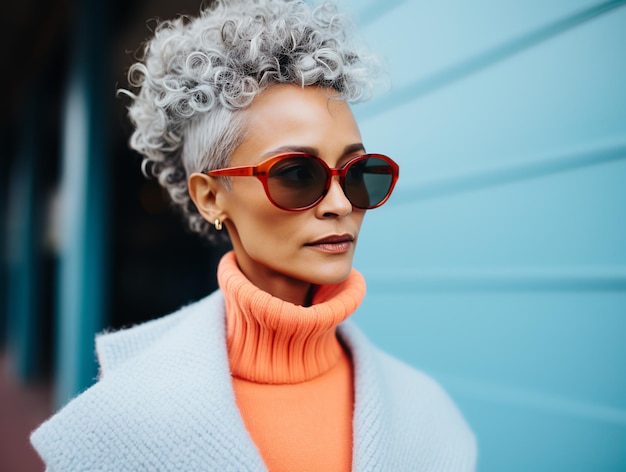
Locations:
(197, 75)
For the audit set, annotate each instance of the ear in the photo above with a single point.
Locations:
(204, 191)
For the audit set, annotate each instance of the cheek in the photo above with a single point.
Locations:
(259, 223)
(267, 228)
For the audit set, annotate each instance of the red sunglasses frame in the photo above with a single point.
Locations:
(261, 172)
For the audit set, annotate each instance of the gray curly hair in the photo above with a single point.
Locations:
(198, 74)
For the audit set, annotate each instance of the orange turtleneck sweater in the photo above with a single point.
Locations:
(291, 376)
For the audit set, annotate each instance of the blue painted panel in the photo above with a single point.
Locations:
(569, 221)
(520, 439)
(550, 100)
(538, 375)
(421, 38)
(561, 345)
(82, 304)
(22, 251)
(503, 264)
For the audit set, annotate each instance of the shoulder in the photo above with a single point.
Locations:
(144, 368)
(115, 348)
(423, 407)
(426, 428)
(407, 384)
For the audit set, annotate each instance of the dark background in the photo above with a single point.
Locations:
(154, 264)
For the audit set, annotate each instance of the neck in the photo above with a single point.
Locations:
(277, 284)
(271, 340)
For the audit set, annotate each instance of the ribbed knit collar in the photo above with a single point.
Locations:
(274, 341)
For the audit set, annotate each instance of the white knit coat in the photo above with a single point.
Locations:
(165, 402)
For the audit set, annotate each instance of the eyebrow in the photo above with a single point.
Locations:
(349, 149)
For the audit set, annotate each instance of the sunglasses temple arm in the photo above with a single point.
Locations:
(233, 172)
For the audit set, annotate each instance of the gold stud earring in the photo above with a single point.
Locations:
(218, 224)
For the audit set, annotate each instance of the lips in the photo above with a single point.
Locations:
(333, 239)
(334, 244)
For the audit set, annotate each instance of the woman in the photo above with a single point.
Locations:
(242, 114)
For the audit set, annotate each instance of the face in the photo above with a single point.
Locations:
(284, 252)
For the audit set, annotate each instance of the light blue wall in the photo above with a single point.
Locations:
(499, 266)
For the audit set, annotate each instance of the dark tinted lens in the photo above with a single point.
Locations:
(368, 181)
(296, 182)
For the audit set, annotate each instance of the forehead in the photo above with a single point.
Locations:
(286, 116)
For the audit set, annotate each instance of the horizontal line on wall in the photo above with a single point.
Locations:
(574, 279)
(402, 95)
(555, 404)
(514, 172)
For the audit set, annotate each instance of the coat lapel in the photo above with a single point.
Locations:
(371, 416)
(171, 407)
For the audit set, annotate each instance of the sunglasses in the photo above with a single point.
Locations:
(298, 181)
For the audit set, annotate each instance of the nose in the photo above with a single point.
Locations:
(335, 203)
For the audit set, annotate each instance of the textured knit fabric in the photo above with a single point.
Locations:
(165, 402)
(274, 341)
(291, 376)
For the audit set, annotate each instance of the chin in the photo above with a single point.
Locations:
(334, 274)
